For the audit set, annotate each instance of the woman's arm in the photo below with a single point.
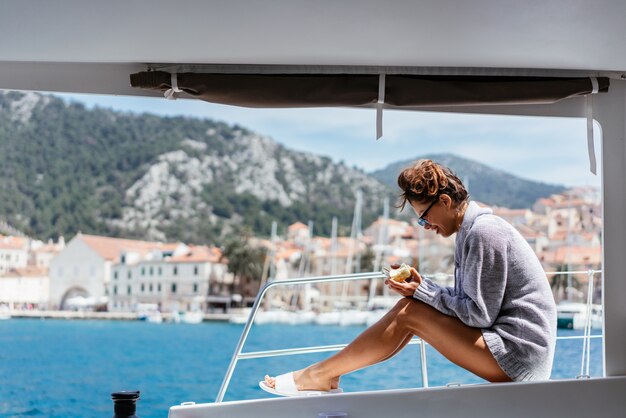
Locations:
(484, 280)
(408, 287)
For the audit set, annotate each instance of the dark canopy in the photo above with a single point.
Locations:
(326, 90)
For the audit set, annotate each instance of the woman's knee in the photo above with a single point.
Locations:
(409, 313)
(409, 304)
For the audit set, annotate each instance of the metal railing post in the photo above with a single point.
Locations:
(424, 364)
(257, 304)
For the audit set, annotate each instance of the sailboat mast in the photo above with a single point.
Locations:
(355, 232)
(268, 265)
(333, 257)
(381, 246)
(306, 303)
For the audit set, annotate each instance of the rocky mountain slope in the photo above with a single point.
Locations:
(67, 169)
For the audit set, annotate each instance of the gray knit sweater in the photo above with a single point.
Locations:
(501, 288)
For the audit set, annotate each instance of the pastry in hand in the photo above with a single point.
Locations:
(401, 273)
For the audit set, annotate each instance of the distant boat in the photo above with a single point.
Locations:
(195, 317)
(573, 315)
(149, 312)
(240, 318)
(328, 318)
(275, 317)
(353, 317)
(174, 317)
(152, 317)
(4, 313)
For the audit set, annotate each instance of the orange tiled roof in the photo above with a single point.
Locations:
(291, 245)
(573, 255)
(110, 248)
(546, 201)
(171, 246)
(199, 254)
(48, 248)
(322, 242)
(559, 236)
(296, 226)
(285, 254)
(28, 271)
(13, 243)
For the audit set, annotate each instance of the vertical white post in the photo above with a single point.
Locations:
(611, 114)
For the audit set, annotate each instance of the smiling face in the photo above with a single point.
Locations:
(436, 194)
(443, 217)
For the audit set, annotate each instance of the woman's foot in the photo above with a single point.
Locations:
(307, 379)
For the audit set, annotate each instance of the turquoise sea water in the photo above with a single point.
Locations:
(67, 369)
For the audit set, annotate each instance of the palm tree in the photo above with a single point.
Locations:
(245, 262)
(558, 283)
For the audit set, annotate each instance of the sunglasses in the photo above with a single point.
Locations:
(421, 221)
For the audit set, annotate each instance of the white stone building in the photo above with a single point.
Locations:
(13, 253)
(25, 288)
(83, 268)
(41, 254)
(298, 233)
(181, 278)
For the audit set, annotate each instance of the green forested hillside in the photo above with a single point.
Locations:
(66, 169)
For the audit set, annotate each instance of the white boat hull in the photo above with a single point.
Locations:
(551, 399)
(192, 318)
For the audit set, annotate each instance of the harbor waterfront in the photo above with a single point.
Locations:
(116, 316)
(52, 368)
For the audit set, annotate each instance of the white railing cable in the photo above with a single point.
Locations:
(586, 352)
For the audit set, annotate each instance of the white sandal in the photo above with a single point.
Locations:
(286, 386)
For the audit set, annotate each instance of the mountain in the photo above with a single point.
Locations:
(67, 168)
(485, 184)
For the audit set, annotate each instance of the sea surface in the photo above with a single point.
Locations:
(59, 368)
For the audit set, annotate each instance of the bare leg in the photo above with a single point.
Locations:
(461, 344)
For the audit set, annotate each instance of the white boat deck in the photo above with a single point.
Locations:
(553, 399)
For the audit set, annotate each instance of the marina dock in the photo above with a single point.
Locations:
(117, 316)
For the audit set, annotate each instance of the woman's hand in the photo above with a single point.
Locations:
(406, 288)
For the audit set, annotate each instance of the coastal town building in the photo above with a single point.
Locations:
(25, 288)
(41, 254)
(298, 233)
(172, 277)
(13, 253)
(81, 272)
(102, 273)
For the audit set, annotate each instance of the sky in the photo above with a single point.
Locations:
(551, 150)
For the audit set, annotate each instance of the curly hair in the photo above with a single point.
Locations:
(426, 180)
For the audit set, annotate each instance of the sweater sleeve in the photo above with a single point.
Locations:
(484, 280)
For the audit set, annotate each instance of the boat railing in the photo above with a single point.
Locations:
(239, 355)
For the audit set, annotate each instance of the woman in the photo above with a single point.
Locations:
(498, 321)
